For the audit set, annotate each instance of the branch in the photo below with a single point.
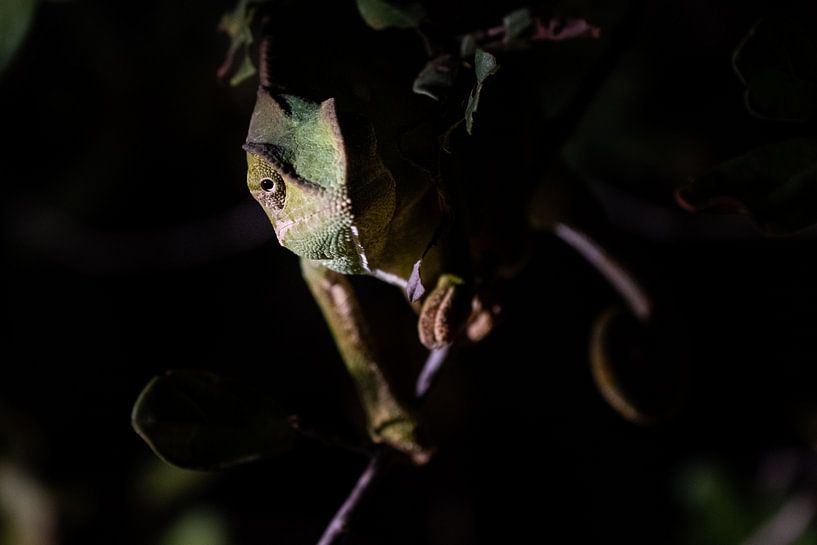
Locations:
(340, 523)
(616, 274)
(434, 362)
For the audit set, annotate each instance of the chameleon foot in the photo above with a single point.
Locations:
(444, 312)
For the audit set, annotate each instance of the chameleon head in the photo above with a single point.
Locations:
(319, 179)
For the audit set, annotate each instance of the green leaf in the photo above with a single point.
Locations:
(517, 23)
(196, 420)
(437, 77)
(777, 61)
(380, 14)
(775, 184)
(15, 19)
(237, 24)
(245, 71)
(485, 65)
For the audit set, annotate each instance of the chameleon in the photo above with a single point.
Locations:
(319, 177)
(341, 195)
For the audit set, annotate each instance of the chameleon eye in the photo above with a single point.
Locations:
(275, 190)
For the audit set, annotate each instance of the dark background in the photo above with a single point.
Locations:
(131, 246)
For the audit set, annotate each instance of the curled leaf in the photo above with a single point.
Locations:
(415, 289)
(380, 14)
(197, 420)
(775, 184)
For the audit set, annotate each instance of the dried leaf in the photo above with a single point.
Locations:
(415, 289)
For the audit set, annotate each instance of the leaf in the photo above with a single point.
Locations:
(437, 77)
(777, 61)
(468, 46)
(517, 23)
(485, 65)
(415, 289)
(237, 24)
(15, 19)
(196, 420)
(775, 184)
(380, 14)
(245, 71)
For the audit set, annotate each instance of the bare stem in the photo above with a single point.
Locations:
(434, 362)
(340, 523)
(614, 272)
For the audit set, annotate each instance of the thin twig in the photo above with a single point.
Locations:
(340, 523)
(434, 362)
(619, 277)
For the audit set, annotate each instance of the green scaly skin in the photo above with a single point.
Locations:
(342, 208)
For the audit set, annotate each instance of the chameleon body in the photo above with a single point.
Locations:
(331, 199)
